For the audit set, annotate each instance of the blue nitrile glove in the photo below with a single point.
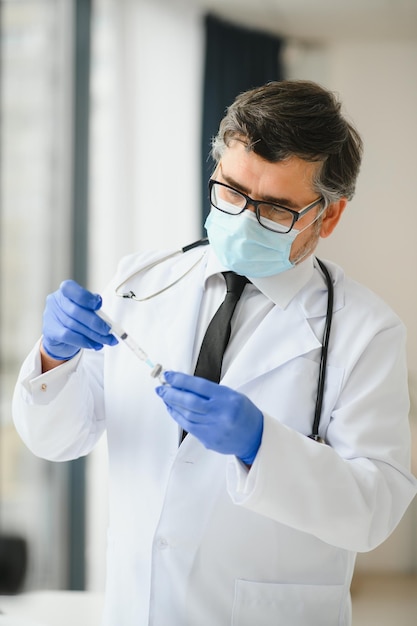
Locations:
(222, 419)
(70, 323)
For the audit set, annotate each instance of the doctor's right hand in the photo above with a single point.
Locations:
(70, 322)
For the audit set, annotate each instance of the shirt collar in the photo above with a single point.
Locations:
(280, 288)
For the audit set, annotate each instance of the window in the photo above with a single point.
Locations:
(34, 236)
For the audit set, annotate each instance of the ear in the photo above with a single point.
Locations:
(331, 218)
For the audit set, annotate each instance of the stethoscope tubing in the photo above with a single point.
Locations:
(327, 328)
(324, 351)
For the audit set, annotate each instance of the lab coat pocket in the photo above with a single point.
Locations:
(272, 604)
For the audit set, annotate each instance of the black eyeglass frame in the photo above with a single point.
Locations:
(296, 215)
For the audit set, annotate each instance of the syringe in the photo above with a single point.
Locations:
(120, 333)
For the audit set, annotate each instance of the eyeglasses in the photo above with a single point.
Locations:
(271, 216)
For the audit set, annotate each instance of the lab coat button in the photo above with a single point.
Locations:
(162, 543)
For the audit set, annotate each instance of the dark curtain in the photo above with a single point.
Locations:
(236, 59)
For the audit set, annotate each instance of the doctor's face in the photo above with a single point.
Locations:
(288, 183)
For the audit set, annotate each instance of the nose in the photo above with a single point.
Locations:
(250, 206)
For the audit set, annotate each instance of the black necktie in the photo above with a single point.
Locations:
(209, 362)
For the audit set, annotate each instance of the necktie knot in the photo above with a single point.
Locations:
(235, 283)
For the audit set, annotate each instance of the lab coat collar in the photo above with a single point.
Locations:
(280, 288)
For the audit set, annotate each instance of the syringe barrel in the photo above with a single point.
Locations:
(121, 334)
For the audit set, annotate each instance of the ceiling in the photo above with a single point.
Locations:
(319, 19)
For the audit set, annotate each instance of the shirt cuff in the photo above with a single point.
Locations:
(43, 388)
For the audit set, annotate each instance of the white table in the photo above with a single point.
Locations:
(51, 608)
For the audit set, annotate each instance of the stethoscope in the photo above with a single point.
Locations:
(327, 327)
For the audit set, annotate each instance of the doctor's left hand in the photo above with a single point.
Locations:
(222, 419)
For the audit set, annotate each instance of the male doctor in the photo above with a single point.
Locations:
(246, 520)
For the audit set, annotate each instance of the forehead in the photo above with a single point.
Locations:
(292, 178)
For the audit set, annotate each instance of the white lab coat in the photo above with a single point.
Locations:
(195, 539)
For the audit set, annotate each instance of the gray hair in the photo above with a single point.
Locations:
(296, 118)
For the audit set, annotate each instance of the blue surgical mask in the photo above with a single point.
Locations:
(245, 247)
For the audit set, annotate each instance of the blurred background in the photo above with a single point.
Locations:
(107, 109)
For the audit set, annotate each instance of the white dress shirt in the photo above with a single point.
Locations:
(258, 299)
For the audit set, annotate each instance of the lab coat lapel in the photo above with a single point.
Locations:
(256, 356)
